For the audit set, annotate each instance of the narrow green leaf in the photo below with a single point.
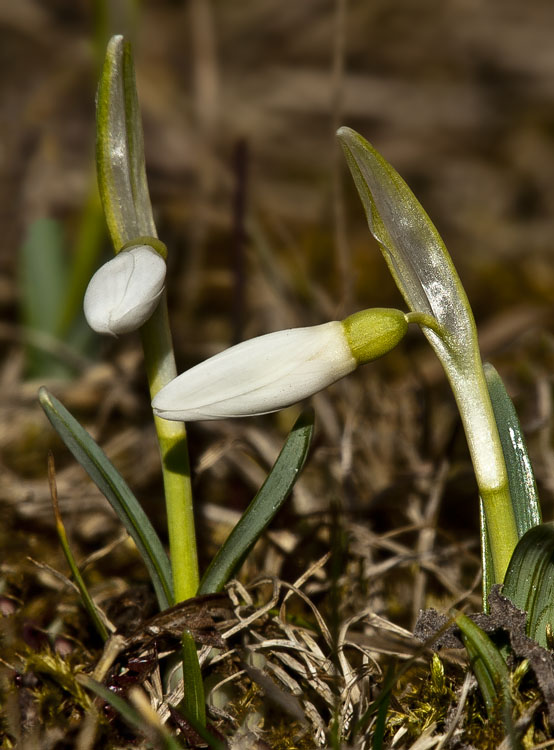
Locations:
(120, 149)
(489, 668)
(110, 482)
(87, 599)
(43, 275)
(523, 489)
(263, 507)
(194, 701)
(529, 581)
(383, 703)
(486, 557)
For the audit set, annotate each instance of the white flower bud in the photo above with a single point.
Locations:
(124, 292)
(271, 372)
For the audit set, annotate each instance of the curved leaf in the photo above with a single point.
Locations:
(489, 668)
(529, 581)
(523, 488)
(137, 720)
(120, 149)
(263, 507)
(427, 279)
(411, 246)
(114, 488)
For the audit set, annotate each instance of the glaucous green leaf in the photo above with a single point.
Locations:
(120, 149)
(523, 488)
(489, 667)
(412, 247)
(264, 506)
(426, 277)
(529, 581)
(486, 557)
(114, 488)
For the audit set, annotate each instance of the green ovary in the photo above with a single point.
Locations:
(374, 332)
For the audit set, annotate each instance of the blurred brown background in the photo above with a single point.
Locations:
(458, 95)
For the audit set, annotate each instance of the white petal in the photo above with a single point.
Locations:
(259, 376)
(124, 292)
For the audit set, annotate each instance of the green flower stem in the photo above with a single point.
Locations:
(172, 439)
(485, 448)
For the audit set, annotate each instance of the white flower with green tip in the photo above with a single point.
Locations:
(271, 372)
(124, 292)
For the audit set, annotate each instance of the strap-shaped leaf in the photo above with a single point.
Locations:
(120, 149)
(529, 581)
(263, 507)
(489, 668)
(114, 488)
(486, 557)
(523, 488)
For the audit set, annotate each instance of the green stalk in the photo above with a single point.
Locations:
(172, 439)
(474, 404)
(124, 191)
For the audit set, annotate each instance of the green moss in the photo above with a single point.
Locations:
(425, 701)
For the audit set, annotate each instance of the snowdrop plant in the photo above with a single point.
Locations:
(276, 370)
(128, 294)
(517, 549)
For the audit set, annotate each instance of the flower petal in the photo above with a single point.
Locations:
(258, 376)
(124, 292)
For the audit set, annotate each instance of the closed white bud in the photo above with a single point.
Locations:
(272, 372)
(123, 293)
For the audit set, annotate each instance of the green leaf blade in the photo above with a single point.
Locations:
(529, 581)
(114, 488)
(120, 149)
(133, 718)
(263, 507)
(523, 488)
(489, 668)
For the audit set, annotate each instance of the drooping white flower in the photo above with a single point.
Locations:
(124, 292)
(271, 372)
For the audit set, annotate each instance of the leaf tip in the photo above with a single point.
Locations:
(44, 396)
